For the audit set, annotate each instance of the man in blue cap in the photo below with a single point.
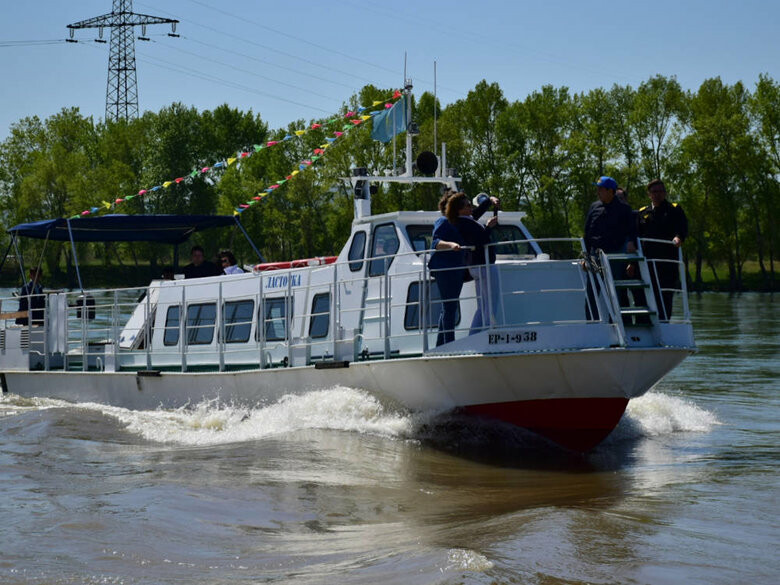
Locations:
(609, 226)
(609, 223)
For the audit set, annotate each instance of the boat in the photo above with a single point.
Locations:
(554, 361)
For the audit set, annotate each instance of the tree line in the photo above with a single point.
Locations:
(716, 148)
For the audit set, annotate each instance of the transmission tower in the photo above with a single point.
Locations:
(122, 89)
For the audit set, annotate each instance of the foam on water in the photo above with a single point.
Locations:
(656, 414)
(346, 409)
(467, 560)
(212, 423)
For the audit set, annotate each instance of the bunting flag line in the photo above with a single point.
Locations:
(355, 119)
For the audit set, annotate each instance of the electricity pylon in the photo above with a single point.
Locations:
(122, 89)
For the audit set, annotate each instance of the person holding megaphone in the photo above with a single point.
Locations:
(481, 265)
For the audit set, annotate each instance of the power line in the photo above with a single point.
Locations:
(248, 72)
(233, 37)
(195, 73)
(187, 71)
(291, 36)
(270, 63)
(481, 39)
(31, 43)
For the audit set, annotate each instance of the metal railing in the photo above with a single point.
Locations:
(379, 317)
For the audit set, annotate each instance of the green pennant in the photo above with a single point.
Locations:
(194, 173)
(259, 147)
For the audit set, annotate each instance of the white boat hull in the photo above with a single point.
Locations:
(574, 398)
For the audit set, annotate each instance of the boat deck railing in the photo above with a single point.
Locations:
(397, 316)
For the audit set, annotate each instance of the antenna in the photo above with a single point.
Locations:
(121, 88)
(435, 144)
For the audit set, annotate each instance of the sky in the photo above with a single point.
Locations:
(289, 61)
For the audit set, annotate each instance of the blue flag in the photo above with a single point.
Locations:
(390, 122)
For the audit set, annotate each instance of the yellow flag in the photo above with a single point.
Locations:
(300, 132)
(230, 161)
(106, 204)
(167, 184)
(326, 145)
(295, 172)
(365, 117)
(376, 103)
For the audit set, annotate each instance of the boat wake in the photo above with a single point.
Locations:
(347, 409)
(657, 414)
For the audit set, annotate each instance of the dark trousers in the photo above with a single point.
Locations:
(450, 283)
(662, 275)
(618, 269)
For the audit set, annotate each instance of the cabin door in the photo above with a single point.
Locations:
(376, 307)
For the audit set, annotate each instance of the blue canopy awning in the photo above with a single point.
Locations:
(169, 229)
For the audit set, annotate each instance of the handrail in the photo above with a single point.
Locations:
(382, 337)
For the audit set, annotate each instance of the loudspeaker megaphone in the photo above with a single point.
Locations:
(427, 162)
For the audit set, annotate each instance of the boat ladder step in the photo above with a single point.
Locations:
(631, 257)
(634, 283)
(636, 311)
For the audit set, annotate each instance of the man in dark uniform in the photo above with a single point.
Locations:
(662, 220)
(32, 299)
(608, 227)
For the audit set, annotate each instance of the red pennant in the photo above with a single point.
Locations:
(244, 154)
(397, 94)
(338, 133)
(142, 192)
(204, 170)
(318, 151)
(243, 205)
(316, 125)
(349, 114)
(288, 177)
(274, 187)
(271, 143)
(388, 106)
(179, 180)
(257, 198)
(356, 122)
(118, 201)
(85, 212)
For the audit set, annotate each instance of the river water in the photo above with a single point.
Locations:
(331, 487)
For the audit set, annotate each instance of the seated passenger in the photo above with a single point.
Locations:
(199, 266)
(229, 264)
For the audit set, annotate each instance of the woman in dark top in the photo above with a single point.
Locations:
(447, 265)
(459, 212)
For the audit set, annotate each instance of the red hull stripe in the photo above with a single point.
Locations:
(575, 423)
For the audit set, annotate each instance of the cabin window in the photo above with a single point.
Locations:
(276, 319)
(510, 233)
(320, 316)
(384, 243)
(412, 314)
(238, 321)
(200, 323)
(420, 236)
(357, 251)
(171, 335)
